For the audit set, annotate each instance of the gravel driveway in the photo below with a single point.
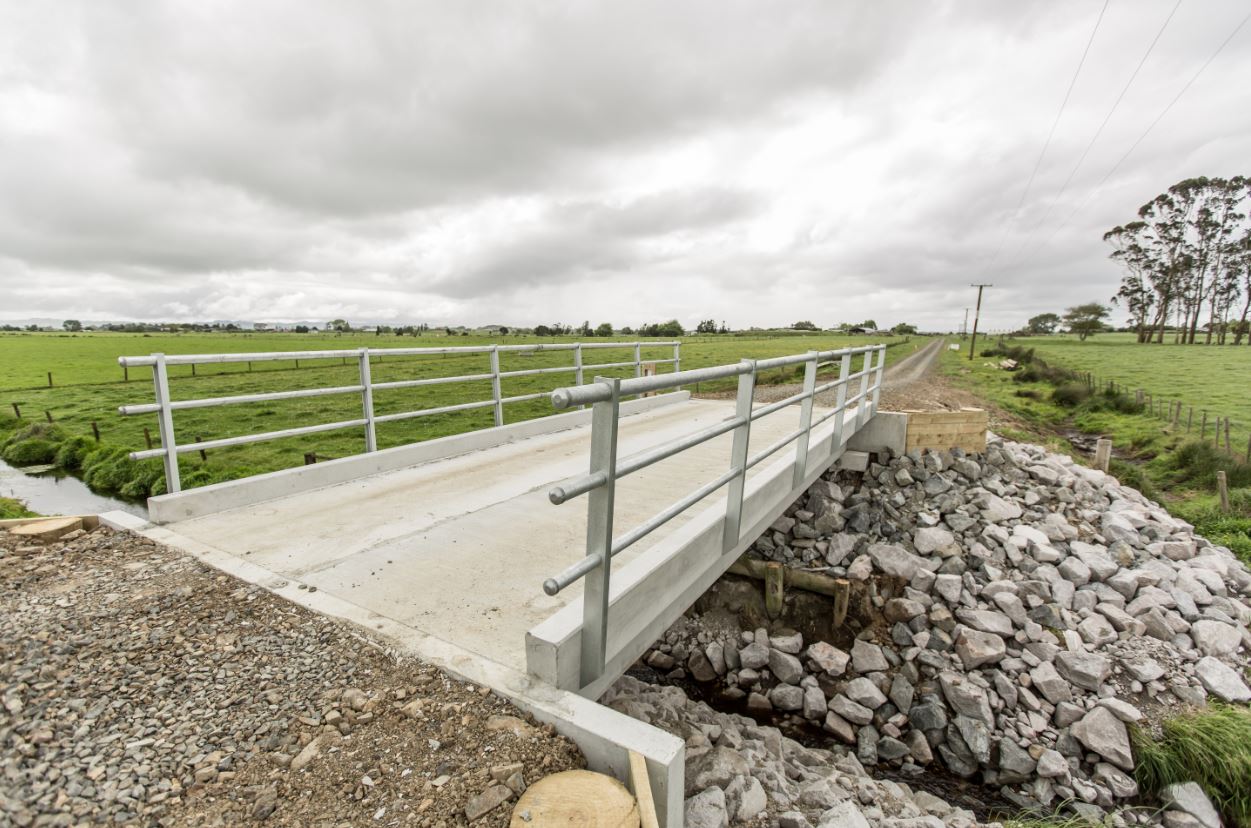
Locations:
(138, 686)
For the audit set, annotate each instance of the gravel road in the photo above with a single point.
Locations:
(140, 687)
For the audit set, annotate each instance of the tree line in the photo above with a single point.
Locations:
(1185, 257)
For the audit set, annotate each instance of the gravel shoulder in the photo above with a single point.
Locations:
(139, 686)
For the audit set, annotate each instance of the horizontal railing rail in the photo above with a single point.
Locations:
(606, 468)
(164, 407)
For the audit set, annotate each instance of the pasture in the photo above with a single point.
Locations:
(88, 387)
(1215, 379)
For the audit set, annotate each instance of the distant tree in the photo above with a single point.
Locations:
(301, 328)
(503, 330)
(627, 330)
(72, 325)
(869, 324)
(804, 325)
(585, 329)
(542, 330)
(1086, 319)
(706, 326)
(604, 329)
(903, 328)
(1043, 323)
(338, 325)
(723, 328)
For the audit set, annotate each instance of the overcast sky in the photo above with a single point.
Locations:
(518, 163)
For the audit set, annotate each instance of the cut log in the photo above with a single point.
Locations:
(46, 531)
(576, 797)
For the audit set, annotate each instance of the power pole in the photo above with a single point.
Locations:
(964, 329)
(976, 315)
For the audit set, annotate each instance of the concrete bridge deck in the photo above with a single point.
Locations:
(458, 547)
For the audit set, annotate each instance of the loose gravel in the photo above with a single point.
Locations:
(140, 687)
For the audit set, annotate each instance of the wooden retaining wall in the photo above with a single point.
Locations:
(943, 430)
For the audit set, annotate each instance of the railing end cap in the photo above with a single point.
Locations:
(551, 587)
(561, 398)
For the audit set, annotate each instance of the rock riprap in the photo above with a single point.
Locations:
(1023, 612)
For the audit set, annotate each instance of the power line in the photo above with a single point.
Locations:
(1106, 118)
(1051, 134)
(1063, 105)
(1149, 128)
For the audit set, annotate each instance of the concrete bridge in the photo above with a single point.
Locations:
(458, 551)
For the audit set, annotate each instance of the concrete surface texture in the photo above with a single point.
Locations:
(458, 548)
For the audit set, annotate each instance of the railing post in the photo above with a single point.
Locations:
(738, 456)
(495, 386)
(638, 359)
(805, 419)
(165, 422)
(577, 366)
(367, 402)
(599, 521)
(881, 367)
(840, 403)
(862, 401)
(677, 360)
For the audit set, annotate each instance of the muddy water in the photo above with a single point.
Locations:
(51, 493)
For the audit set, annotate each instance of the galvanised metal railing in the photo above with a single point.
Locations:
(164, 407)
(605, 394)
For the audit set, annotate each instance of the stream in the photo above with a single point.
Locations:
(57, 493)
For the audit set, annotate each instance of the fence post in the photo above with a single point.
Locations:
(1190, 417)
(1203, 428)
(677, 361)
(1222, 490)
(862, 403)
(496, 395)
(165, 422)
(599, 520)
(738, 455)
(805, 419)
(367, 402)
(881, 368)
(1103, 454)
(638, 359)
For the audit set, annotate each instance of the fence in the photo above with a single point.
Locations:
(1179, 415)
(605, 394)
(164, 407)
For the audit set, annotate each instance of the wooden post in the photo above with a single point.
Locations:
(643, 791)
(310, 457)
(1190, 418)
(249, 365)
(774, 589)
(1177, 414)
(1103, 454)
(125, 373)
(147, 437)
(193, 369)
(1227, 446)
(95, 430)
(1203, 427)
(49, 379)
(1249, 448)
(1138, 396)
(1222, 490)
(842, 595)
(203, 453)
(17, 412)
(48, 414)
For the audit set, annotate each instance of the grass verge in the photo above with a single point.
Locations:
(1211, 747)
(10, 508)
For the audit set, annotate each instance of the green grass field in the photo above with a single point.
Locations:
(1215, 379)
(88, 388)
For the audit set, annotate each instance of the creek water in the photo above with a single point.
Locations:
(58, 493)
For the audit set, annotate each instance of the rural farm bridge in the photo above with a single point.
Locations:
(474, 540)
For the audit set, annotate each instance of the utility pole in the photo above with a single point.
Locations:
(976, 315)
(964, 329)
